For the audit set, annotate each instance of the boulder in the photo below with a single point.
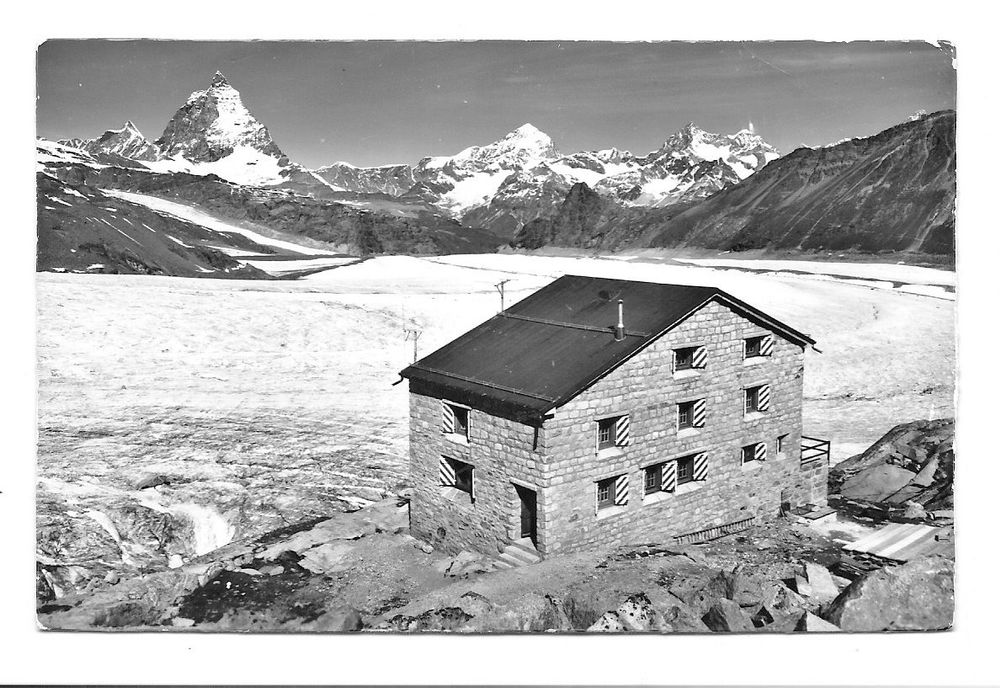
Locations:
(876, 483)
(727, 616)
(388, 516)
(916, 596)
(147, 480)
(782, 600)
(925, 478)
(608, 623)
(328, 558)
(813, 624)
(821, 585)
(636, 613)
(475, 604)
(800, 585)
(915, 511)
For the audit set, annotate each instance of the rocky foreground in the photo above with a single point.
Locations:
(362, 571)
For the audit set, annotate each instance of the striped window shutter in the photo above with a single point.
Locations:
(764, 398)
(701, 466)
(446, 474)
(767, 345)
(447, 418)
(700, 412)
(622, 431)
(760, 451)
(621, 490)
(700, 357)
(668, 477)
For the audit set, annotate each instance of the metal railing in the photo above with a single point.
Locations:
(814, 449)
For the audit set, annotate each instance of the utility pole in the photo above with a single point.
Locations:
(415, 336)
(499, 287)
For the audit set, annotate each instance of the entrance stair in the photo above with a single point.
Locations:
(519, 553)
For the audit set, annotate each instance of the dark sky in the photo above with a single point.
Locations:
(382, 102)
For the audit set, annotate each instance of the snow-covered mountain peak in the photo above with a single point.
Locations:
(529, 136)
(127, 142)
(524, 147)
(214, 126)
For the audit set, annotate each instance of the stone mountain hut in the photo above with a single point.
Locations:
(602, 411)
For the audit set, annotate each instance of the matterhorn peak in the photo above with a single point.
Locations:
(214, 124)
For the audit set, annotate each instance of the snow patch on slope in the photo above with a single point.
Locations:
(198, 217)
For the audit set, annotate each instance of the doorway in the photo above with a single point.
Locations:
(529, 513)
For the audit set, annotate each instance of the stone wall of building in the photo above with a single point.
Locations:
(647, 389)
(502, 453)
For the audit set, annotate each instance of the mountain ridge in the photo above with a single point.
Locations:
(893, 191)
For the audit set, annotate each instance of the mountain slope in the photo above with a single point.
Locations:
(893, 191)
(81, 229)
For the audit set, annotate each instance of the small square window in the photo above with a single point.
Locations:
(779, 444)
(684, 358)
(612, 432)
(458, 475)
(754, 452)
(685, 415)
(753, 346)
(653, 479)
(606, 493)
(685, 470)
(456, 420)
(751, 400)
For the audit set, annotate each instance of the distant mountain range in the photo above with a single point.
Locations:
(892, 191)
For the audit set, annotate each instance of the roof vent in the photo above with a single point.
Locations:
(620, 327)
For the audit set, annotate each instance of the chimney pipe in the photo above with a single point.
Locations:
(620, 327)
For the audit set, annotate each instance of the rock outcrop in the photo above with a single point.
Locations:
(916, 596)
(910, 467)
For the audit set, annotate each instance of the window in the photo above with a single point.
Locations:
(756, 399)
(606, 493)
(612, 432)
(653, 479)
(455, 420)
(757, 346)
(461, 421)
(685, 412)
(691, 414)
(779, 444)
(685, 470)
(689, 358)
(754, 452)
(667, 476)
(457, 475)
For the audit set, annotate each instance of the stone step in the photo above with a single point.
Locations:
(529, 556)
(520, 555)
(507, 557)
(501, 564)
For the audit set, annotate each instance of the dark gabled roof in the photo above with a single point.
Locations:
(546, 349)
